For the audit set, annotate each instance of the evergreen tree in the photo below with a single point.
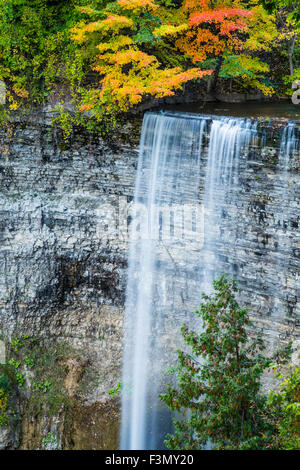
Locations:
(219, 382)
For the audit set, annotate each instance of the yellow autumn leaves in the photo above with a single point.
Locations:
(127, 74)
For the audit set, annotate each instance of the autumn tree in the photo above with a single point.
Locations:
(227, 36)
(120, 36)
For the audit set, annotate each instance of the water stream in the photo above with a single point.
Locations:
(174, 248)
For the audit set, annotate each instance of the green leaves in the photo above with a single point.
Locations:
(241, 65)
(5, 383)
(292, 6)
(117, 390)
(144, 35)
(35, 47)
(285, 406)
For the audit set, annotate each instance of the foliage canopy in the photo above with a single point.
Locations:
(109, 56)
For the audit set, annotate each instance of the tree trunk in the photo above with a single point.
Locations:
(213, 83)
(292, 44)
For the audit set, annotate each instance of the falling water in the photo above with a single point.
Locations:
(173, 252)
(289, 149)
(229, 141)
(163, 240)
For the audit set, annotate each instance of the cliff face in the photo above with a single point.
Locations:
(62, 278)
(59, 278)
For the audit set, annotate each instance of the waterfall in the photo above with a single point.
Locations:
(165, 237)
(229, 141)
(289, 147)
(174, 251)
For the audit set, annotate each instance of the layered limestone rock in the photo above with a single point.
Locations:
(64, 218)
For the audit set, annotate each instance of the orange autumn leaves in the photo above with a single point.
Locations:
(229, 32)
(228, 21)
(212, 30)
(124, 88)
(127, 73)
